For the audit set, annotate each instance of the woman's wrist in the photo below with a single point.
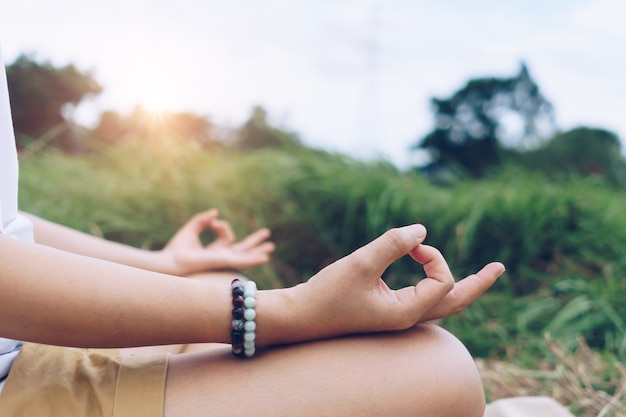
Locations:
(277, 317)
(163, 262)
(287, 315)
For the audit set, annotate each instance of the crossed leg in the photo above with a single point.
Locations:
(422, 372)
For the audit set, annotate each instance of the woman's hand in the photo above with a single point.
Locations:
(465, 292)
(187, 254)
(349, 295)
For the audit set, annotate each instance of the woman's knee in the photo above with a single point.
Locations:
(458, 383)
(423, 371)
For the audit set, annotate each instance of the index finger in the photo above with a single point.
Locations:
(429, 292)
(435, 265)
(200, 221)
(376, 256)
(223, 229)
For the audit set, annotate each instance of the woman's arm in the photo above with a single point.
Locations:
(184, 254)
(64, 238)
(55, 297)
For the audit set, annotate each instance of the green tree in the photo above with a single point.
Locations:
(257, 133)
(584, 151)
(146, 124)
(474, 124)
(42, 97)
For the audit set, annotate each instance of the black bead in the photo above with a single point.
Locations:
(237, 291)
(238, 301)
(236, 337)
(238, 313)
(237, 350)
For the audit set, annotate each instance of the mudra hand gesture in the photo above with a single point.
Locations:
(187, 255)
(349, 295)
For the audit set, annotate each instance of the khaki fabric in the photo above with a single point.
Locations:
(52, 381)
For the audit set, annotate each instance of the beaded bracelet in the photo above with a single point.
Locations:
(243, 325)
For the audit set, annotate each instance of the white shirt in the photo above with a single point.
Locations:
(11, 223)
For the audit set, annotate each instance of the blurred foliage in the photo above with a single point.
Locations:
(563, 245)
(42, 97)
(471, 126)
(562, 240)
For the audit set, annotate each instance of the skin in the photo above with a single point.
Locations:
(184, 254)
(346, 315)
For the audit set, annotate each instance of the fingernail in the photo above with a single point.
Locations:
(420, 231)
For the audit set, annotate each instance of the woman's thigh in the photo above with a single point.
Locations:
(421, 372)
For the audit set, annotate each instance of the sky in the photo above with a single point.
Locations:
(353, 76)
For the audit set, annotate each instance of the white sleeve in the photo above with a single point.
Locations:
(11, 223)
(8, 154)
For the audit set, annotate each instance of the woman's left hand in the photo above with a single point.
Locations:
(349, 295)
(187, 255)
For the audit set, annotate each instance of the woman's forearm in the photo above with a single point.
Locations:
(60, 237)
(55, 297)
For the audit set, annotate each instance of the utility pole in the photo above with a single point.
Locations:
(369, 129)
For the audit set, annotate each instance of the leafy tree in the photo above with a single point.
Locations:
(473, 126)
(42, 95)
(582, 150)
(257, 133)
(111, 127)
(143, 123)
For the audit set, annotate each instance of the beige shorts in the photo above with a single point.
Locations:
(47, 381)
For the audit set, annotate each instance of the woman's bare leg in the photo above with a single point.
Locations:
(421, 372)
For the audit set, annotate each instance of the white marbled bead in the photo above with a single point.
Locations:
(249, 302)
(249, 326)
(249, 314)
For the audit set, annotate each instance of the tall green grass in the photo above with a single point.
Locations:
(563, 243)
